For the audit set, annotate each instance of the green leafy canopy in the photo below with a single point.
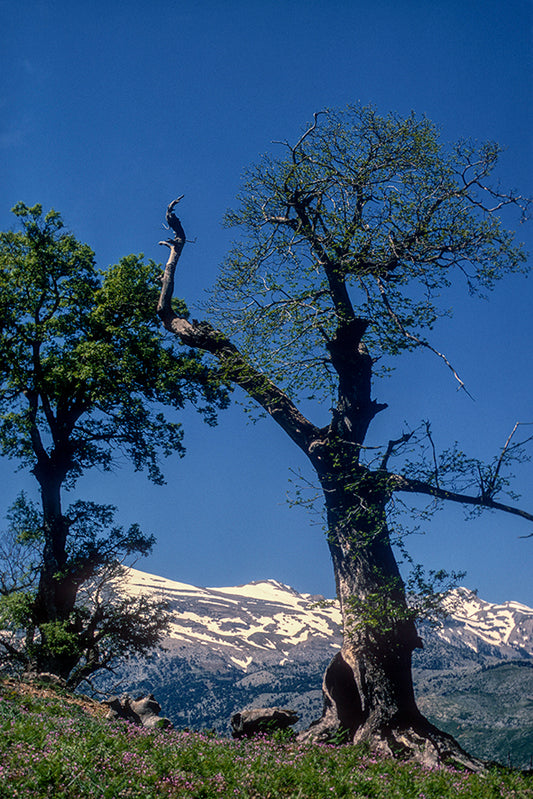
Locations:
(383, 205)
(104, 622)
(84, 365)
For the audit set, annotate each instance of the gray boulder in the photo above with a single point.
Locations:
(248, 723)
(143, 711)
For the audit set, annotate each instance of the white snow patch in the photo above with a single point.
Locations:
(242, 664)
(265, 589)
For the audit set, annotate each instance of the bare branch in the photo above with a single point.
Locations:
(391, 446)
(176, 245)
(200, 335)
(306, 134)
(400, 483)
(505, 451)
(420, 341)
(434, 454)
(172, 221)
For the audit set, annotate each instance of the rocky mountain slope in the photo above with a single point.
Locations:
(265, 644)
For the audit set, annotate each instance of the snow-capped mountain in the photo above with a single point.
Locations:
(507, 627)
(264, 644)
(262, 622)
(267, 621)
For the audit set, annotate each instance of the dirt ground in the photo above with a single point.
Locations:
(41, 689)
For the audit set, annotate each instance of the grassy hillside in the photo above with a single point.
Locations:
(488, 710)
(57, 745)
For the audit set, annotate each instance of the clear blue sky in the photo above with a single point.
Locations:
(111, 109)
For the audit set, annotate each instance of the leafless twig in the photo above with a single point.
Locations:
(391, 447)
(422, 342)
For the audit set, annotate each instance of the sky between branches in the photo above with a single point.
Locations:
(109, 110)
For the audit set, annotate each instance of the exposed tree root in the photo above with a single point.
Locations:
(410, 738)
(420, 742)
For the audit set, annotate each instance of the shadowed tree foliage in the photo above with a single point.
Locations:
(349, 239)
(105, 624)
(86, 375)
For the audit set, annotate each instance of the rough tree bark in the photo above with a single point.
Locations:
(368, 689)
(56, 591)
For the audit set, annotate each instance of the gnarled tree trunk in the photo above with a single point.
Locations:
(368, 690)
(56, 591)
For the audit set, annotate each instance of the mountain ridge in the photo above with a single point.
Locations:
(264, 644)
(264, 614)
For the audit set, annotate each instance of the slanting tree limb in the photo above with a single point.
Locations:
(400, 483)
(235, 367)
